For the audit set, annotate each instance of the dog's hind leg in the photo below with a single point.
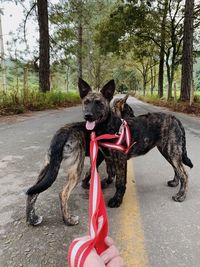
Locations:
(173, 154)
(175, 181)
(183, 177)
(31, 216)
(74, 165)
(120, 163)
(74, 176)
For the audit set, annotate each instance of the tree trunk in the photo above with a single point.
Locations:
(169, 82)
(144, 83)
(187, 64)
(2, 57)
(80, 47)
(44, 66)
(98, 76)
(67, 78)
(151, 80)
(162, 51)
(25, 84)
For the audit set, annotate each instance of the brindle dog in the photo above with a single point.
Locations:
(164, 131)
(70, 145)
(171, 132)
(122, 110)
(160, 130)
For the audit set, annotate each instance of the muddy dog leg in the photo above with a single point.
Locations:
(183, 177)
(174, 156)
(120, 163)
(31, 216)
(175, 181)
(74, 167)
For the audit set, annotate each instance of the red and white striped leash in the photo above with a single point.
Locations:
(98, 221)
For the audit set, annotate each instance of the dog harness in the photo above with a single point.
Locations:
(98, 221)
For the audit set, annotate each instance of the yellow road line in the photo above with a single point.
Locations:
(130, 233)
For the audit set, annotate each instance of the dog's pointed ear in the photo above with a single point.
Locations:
(125, 98)
(84, 88)
(108, 90)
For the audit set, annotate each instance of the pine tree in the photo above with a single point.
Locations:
(187, 63)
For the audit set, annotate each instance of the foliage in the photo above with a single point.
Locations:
(198, 80)
(65, 19)
(125, 78)
(178, 106)
(120, 39)
(15, 102)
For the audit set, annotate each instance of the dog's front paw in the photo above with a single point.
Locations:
(34, 220)
(114, 202)
(71, 220)
(179, 197)
(173, 183)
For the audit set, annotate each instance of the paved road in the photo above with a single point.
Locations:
(149, 228)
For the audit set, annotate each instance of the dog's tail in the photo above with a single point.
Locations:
(185, 158)
(187, 161)
(49, 173)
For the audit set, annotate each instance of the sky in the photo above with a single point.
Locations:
(11, 19)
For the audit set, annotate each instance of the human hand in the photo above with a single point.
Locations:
(110, 256)
(93, 259)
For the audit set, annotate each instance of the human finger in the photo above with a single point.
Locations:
(109, 254)
(109, 241)
(93, 259)
(116, 262)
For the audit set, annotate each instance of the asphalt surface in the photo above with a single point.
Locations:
(171, 229)
(150, 229)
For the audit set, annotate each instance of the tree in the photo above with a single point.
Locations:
(187, 57)
(44, 57)
(167, 37)
(69, 20)
(74, 25)
(162, 47)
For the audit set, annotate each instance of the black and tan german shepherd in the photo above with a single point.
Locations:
(122, 110)
(71, 144)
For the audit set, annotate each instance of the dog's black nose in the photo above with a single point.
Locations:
(88, 116)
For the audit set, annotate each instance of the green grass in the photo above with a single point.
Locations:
(14, 102)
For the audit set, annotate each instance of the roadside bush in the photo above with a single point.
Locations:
(13, 102)
(197, 98)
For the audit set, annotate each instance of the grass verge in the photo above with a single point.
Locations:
(178, 106)
(16, 103)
